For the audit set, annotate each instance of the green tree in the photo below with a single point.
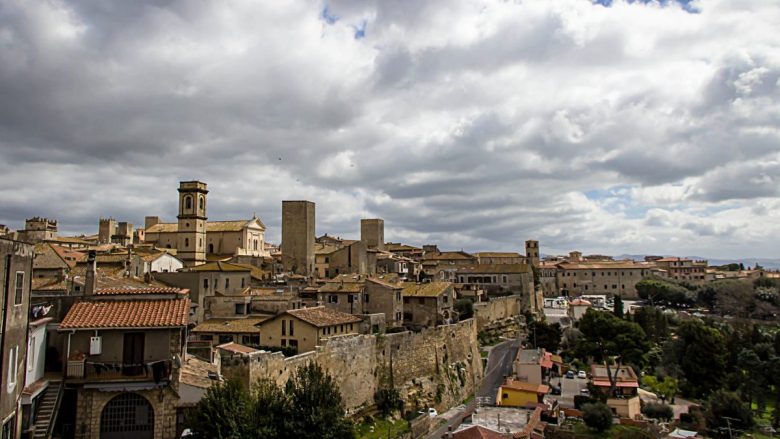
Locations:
(607, 338)
(665, 388)
(547, 336)
(727, 413)
(700, 352)
(659, 291)
(225, 412)
(271, 411)
(597, 416)
(653, 321)
(388, 401)
(618, 307)
(465, 308)
(317, 409)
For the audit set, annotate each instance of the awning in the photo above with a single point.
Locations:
(605, 383)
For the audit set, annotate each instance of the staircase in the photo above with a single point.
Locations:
(47, 411)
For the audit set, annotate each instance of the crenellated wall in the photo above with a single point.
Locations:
(438, 367)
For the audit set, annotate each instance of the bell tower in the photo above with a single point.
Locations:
(191, 239)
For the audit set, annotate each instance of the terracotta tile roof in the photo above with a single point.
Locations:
(429, 289)
(525, 387)
(459, 255)
(49, 284)
(118, 291)
(234, 326)
(255, 272)
(477, 432)
(495, 269)
(211, 226)
(220, 266)
(47, 256)
(342, 287)
(498, 255)
(604, 265)
(127, 314)
(237, 348)
(398, 247)
(320, 316)
(325, 249)
(387, 282)
(195, 372)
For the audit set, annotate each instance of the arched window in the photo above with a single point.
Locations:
(211, 248)
(188, 203)
(200, 202)
(127, 415)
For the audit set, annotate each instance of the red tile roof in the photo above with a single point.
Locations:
(127, 314)
(477, 432)
(320, 316)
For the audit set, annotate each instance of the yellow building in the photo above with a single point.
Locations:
(520, 394)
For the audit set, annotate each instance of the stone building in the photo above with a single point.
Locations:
(532, 252)
(16, 260)
(683, 269)
(198, 239)
(298, 225)
(38, 229)
(490, 258)
(428, 304)
(343, 294)
(124, 354)
(609, 278)
(384, 297)
(211, 279)
(304, 329)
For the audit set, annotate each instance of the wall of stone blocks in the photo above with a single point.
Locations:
(438, 367)
(497, 309)
(90, 404)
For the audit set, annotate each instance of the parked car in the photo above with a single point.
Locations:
(570, 375)
(555, 390)
(585, 392)
(582, 374)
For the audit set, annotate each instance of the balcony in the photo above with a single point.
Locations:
(85, 371)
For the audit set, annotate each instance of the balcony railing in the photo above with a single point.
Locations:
(156, 371)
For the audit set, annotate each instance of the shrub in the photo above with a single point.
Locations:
(597, 416)
(658, 411)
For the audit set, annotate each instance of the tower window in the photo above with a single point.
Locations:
(186, 242)
(200, 202)
(188, 202)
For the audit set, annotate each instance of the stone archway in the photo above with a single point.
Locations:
(127, 416)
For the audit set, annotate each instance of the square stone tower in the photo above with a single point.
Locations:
(191, 239)
(532, 252)
(106, 229)
(372, 233)
(298, 237)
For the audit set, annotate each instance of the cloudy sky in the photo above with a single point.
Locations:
(607, 127)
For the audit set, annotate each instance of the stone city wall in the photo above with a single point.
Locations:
(497, 309)
(438, 367)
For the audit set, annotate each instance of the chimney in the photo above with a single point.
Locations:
(89, 284)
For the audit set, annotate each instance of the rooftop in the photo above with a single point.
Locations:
(320, 316)
(495, 269)
(429, 289)
(107, 314)
(238, 325)
(220, 266)
(120, 291)
(211, 226)
(237, 348)
(525, 387)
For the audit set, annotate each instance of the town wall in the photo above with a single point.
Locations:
(499, 308)
(438, 367)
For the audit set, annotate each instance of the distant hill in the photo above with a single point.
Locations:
(770, 264)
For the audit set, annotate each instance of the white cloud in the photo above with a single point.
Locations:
(474, 124)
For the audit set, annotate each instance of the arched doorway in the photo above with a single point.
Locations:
(127, 416)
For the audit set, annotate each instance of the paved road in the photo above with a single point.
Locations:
(569, 388)
(499, 365)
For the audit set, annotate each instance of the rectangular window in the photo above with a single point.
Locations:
(445, 298)
(504, 279)
(292, 329)
(240, 308)
(227, 282)
(406, 300)
(205, 284)
(333, 298)
(365, 297)
(19, 286)
(398, 296)
(13, 353)
(284, 327)
(350, 326)
(242, 282)
(31, 355)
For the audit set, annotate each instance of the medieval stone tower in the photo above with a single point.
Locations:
(372, 233)
(298, 237)
(191, 239)
(532, 252)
